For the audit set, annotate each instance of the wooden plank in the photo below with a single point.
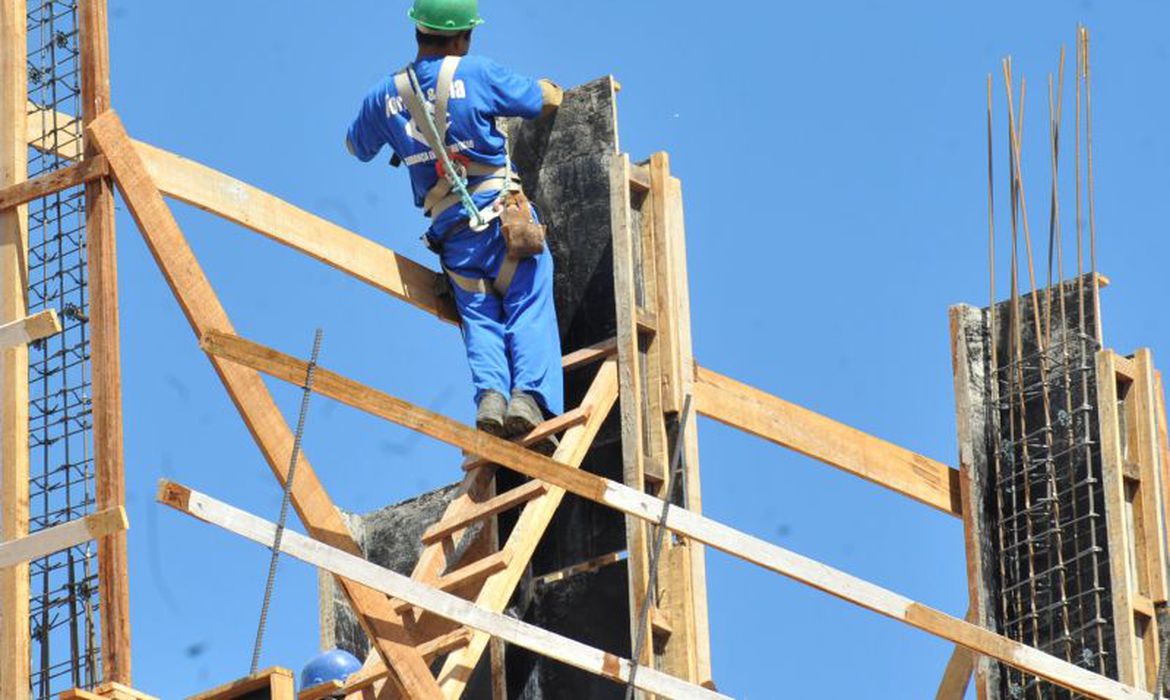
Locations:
(957, 674)
(696, 566)
(836, 444)
(60, 537)
(239, 689)
(553, 426)
(113, 690)
(1163, 443)
(590, 354)
(630, 371)
(447, 643)
(1117, 529)
(255, 209)
(53, 132)
(969, 361)
(584, 567)
(322, 691)
(264, 420)
(667, 308)
(30, 328)
(14, 443)
(461, 611)
(466, 575)
(1147, 447)
(494, 506)
(54, 181)
(105, 351)
(684, 522)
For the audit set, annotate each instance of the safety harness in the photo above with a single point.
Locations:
(454, 170)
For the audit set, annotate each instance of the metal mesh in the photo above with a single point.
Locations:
(1048, 506)
(64, 586)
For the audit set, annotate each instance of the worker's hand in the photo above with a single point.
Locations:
(553, 96)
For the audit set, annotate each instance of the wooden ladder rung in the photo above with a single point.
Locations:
(561, 423)
(589, 354)
(493, 506)
(463, 576)
(445, 644)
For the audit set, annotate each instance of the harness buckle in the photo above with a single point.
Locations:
(459, 161)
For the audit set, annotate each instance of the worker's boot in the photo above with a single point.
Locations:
(489, 415)
(523, 416)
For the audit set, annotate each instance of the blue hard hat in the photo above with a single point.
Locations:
(332, 665)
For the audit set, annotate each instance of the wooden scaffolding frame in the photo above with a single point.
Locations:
(139, 171)
(648, 368)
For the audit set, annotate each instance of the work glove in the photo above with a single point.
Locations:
(553, 96)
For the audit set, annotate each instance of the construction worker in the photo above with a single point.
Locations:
(504, 295)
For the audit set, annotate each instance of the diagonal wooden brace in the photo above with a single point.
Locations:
(246, 388)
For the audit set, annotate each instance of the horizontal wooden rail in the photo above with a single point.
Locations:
(355, 568)
(55, 181)
(62, 537)
(836, 444)
(31, 328)
(678, 520)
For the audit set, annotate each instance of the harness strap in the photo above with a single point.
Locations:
(504, 277)
(499, 286)
(443, 94)
(442, 196)
(469, 284)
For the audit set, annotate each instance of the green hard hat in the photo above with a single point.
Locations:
(446, 15)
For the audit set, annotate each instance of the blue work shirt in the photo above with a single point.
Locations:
(481, 90)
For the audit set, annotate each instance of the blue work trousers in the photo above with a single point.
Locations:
(512, 340)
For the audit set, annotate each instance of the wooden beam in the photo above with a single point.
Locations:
(268, 427)
(30, 328)
(105, 351)
(253, 208)
(278, 682)
(237, 201)
(696, 563)
(112, 690)
(957, 674)
(61, 537)
(631, 367)
(493, 506)
(1122, 569)
(970, 356)
(355, 568)
(14, 443)
(678, 520)
(836, 444)
(589, 354)
(54, 181)
(557, 424)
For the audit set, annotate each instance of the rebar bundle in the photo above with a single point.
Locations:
(64, 586)
(1046, 509)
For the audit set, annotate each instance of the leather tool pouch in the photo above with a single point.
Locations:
(523, 236)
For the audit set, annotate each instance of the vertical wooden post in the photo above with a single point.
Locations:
(630, 369)
(14, 590)
(105, 355)
(684, 571)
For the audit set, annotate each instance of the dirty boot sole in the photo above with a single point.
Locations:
(489, 415)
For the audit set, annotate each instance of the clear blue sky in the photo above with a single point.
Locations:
(832, 156)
